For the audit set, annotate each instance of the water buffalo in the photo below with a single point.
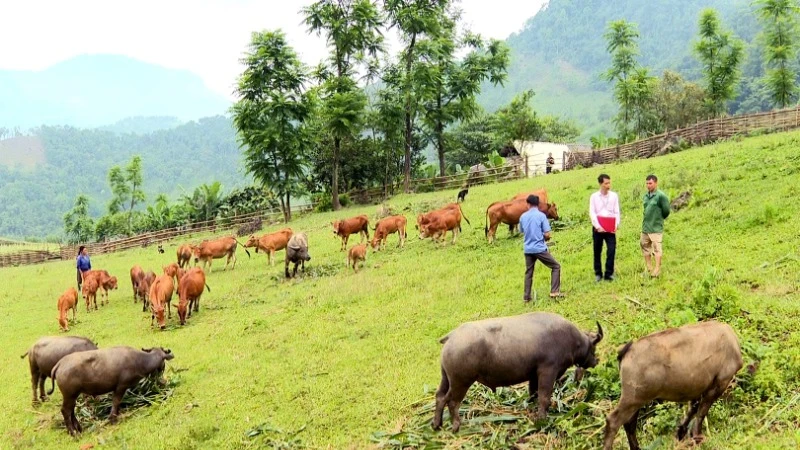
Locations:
(297, 253)
(98, 372)
(694, 363)
(536, 348)
(47, 351)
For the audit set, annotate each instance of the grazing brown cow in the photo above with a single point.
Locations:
(549, 209)
(185, 252)
(387, 226)
(423, 219)
(89, 292)
(143, 288)
(137, 274)
(189, 292)
(270, 243)
(67, 301)
(694, 363)
(105, 282)
(439, 224)
(344, 228)
(208, 251)
(503, 212)
(175, 272)
(160, 295)
(357, 253)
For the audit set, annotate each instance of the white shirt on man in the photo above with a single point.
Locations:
(604, 206)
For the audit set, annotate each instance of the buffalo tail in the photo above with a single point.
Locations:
(26, 354)
(624, 351)
(53, 379)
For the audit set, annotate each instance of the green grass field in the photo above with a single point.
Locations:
(338, 356)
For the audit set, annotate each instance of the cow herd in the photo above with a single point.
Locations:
(694, 363)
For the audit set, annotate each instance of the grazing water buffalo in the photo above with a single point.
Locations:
(297, 253)
(67, 301)
(98, 372)
(536, 348)
(694, 363)
(46, 352)
(190, 289)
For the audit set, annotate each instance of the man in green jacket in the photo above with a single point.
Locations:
(656, 209)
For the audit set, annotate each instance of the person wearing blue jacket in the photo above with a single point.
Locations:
(83, 264)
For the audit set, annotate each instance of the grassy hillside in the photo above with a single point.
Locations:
(340, 355)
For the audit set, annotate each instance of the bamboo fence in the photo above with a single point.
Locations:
(698, 134)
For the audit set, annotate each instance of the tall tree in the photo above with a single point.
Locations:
(450, 86)
(271, 115)
(133, 176)
(780, 53)
(120, 192)
(78, 224)
(621, 39)
(720, 54)
(415, 20)
(677, 102)
(352, 33)
(517, 121)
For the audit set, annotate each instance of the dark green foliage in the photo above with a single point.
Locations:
(720, 54)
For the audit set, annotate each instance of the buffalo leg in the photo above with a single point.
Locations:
(684, 425)
(630, 431)
(441, 399)
(42, 393)
(621, 415)
(34, 384)
(547, 378)
(455, 396)
(68, 412)
(708, 399)
(116, 400)
(533, 387)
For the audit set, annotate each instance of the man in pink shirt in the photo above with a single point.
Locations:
(605, 215)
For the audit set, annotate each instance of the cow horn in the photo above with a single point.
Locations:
(599, 334)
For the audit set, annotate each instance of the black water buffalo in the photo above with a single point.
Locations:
(536, 348)
(101, 371)
(47, 351)
(694, 363)
(297, 253)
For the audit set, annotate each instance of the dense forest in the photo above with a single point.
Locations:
(34, 200)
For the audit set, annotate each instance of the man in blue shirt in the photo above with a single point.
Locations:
(83, 264)
(536, 228)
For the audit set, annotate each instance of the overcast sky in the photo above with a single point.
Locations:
(206, 37)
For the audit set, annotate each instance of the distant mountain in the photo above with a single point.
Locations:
(142, 125)
(97, 90)
(561, 52)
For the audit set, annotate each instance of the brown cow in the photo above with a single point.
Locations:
(175, 272)
(357, 253)
(143, 288)
(439, 224)
(189, 292)
(387, 226)
(270, 243)
(549, 209)
(104, 281)
(423, 219)
(89, 292)
(67, 301)
(185, 252)
(137, 274)
(344, 228)
(503, 212)
(160, 295)
(208, 251)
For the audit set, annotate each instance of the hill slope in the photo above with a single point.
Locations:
(339, 355)
(96, 90)
(44, 173)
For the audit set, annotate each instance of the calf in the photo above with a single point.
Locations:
(387, 226)
(185, 252)
(189, 291)
(105, 282)
(270, 243)
(344, 228)
(297, 253)
(160, 295)
(46, 352)
(694, 363)
(137, 274)
(98, 372)
(208, 251)
(89, 292)
(357, 253)
(536, 348)
(67, 301)
(143, 288)
(174, 271)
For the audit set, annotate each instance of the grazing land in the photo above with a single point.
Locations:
(333, 357)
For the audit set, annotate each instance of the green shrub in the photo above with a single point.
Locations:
(713, 299)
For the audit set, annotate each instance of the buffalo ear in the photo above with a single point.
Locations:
(599, 336)
(167, 351)
(148, 350)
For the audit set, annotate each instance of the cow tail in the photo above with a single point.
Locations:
(24, 355)
(53, 379)
(462, 214)
(624, 351)
(486, 222)
(245, 248)
(208, 288)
